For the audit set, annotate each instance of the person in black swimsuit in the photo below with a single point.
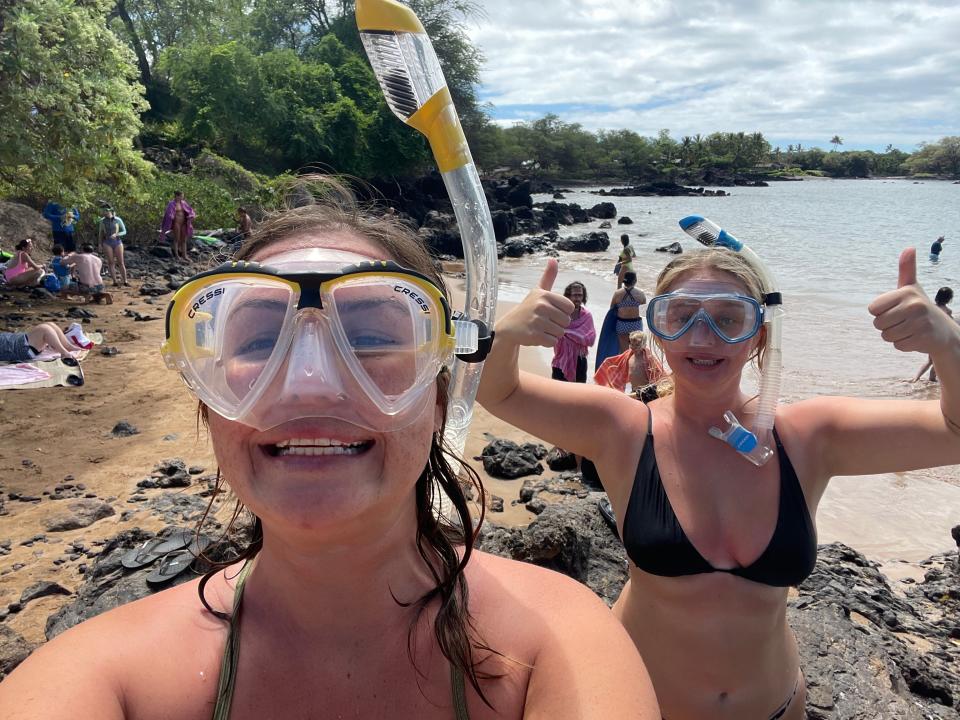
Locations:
(714, 541)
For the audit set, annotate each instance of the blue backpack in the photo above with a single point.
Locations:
(51, 283)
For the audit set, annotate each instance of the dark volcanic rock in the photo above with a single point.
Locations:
(42, 589)
(506, 459)
(124, 429)
(14, 649)
(590, 242)
(660, 188)
(625, 220)
(168, 474)
(80, 514)
(603, 211)
(569, 537)
(107, 584)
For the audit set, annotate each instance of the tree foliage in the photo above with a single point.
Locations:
(71, 105)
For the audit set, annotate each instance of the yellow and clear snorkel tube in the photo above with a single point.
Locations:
(412, 81)
(757, 445)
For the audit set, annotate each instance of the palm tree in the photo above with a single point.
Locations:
(836, 141)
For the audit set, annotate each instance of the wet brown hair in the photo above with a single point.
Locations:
(319, 204)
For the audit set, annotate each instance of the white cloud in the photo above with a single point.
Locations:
(872, 71)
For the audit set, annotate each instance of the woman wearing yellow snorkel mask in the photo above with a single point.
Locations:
(320, 364)
(714, 541)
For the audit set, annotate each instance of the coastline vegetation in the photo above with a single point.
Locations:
(101, 96)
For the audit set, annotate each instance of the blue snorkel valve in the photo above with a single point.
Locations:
(755, 445)
(742, 440)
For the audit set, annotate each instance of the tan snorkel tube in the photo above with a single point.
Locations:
(409, 73)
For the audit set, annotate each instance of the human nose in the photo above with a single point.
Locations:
(311, 366)
(700, 332)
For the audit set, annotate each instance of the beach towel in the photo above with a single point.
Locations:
(608, 345)
(615, 371)
(21, 373)
(55, 373)
(576, 340)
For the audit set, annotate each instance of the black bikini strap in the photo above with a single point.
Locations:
(776, 439)
(650, 421)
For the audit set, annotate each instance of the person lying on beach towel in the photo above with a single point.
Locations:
(714, 540)
(326, 402)
(19, 347)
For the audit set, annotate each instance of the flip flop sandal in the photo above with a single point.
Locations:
(176, 562)
(77, 379)
(155, 548)
(606, 510)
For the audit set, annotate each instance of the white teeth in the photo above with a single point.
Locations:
(705, 363)
(326, 450)
(314, 442)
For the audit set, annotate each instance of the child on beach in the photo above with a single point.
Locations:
(88, 266)
(62, 271)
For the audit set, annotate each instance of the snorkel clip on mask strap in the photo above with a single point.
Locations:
(474, 339)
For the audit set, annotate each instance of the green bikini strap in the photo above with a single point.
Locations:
(231, 652)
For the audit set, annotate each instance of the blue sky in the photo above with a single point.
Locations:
(875, 72)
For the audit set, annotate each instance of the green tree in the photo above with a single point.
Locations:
(939, 158)
(836, 141)
(70, 100)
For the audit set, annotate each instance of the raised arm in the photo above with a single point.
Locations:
(861, 437)
(577, 417)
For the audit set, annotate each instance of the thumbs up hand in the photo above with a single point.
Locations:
(542, 316)
(908, 318)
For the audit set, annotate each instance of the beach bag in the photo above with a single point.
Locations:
(51, 283)
(616, 268)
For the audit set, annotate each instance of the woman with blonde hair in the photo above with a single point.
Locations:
(320, 361)
(715, 541)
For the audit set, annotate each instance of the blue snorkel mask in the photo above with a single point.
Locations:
(755, 444)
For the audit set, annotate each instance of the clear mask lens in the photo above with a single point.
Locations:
(367, 355)
(731, 318)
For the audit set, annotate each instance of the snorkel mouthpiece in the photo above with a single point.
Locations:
(741, 440)
(755, 445)
(412, 81)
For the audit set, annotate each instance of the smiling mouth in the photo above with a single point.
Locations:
(704, 362)
(306, 447)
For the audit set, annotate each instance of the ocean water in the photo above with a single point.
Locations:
(833, 246)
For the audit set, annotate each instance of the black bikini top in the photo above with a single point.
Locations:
(657, 544)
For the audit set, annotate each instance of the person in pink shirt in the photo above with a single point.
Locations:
(178, 220)
(570, 352)
(87, 266)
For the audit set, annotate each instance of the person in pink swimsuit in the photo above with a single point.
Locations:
(178, 220)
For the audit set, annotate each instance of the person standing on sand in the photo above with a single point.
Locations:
(715, 541)
(111, 231)
(936, 249)
(178, 220)
(570, 353)
(625, 260)
(628, 300)
(62, 224)
(943, 299)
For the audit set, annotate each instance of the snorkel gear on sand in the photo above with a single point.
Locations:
(302, 338)
(756, 444)
(412, 81)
